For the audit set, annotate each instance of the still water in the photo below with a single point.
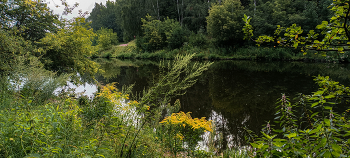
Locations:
(237, 95)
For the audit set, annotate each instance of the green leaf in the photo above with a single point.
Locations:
(327, 122)
(291, 135)
(327, 107)
(340, 49)
(314, 114)
(267, 136)
(295, 44)
(278, 144)
(336, 148)
(33, 156)
(314, 104)
(255, 145)
(327, 154)
(329, 96)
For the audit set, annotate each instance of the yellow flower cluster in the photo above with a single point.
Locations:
(111, 93)
(185, 119)
(179, 136)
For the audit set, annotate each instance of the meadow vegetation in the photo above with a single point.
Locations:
(38, 122)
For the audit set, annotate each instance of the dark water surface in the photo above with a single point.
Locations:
(235, 94)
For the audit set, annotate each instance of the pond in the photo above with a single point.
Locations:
(237, 95)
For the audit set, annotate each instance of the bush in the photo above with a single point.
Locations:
(197, 40)
(67, 51)
(265, 53)
(180, 128)
(224, 22)
(106, 38)
(311, 127)
(178, 37)
(160, 34)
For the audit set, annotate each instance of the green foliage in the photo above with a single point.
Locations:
(266, 15)
(106, 16)
(178, 37)
(309, 127)
(159, 34)
(223, 22)
(106, 38)
(237, 153)
(104, 126)
(32, 18)
(180, 128)
(11, 46)
(197, 40)
(67, 51)
(335, 34)
(265, 53)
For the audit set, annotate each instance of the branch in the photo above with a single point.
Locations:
(345, 24)
(329, 50)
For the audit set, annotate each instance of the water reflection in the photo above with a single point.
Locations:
(235, 94)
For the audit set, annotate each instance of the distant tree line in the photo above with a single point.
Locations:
(220, 20)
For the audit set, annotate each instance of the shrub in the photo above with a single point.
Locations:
(311, 127)
(180, 128)
(197, 40)
(178, 37)
(106, 38)
(224, 22)
(160, 34)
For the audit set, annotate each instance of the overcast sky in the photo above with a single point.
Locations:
(84, 5)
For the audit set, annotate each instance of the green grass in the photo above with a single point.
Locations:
(249, 53)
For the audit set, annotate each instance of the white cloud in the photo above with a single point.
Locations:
(84, 5)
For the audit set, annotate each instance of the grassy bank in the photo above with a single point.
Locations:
(36, 122)
(248, 53)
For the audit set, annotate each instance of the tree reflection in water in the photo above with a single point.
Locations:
(235, 94)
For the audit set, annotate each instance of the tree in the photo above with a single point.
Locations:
(33, 18)
(195, 14)
(11, 46)
(266, 15)
(223, 22)
(106, 38)
(106, 16)
(159, 34)
(67, 51)
(335, 33)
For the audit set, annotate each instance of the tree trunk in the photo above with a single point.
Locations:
(254, 6)
(182, 12)
(158, 10)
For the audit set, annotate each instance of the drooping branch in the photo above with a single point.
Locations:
(345, 23)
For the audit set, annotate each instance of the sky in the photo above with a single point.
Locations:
(84, 5)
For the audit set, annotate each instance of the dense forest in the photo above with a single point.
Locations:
(220, 20)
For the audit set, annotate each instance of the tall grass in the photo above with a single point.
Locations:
(108, 125)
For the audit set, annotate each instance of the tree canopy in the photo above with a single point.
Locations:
(330, 36)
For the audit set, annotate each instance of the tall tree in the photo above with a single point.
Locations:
(268, 14)
(32, 18)
(106, 16)
(67, 51)
(224, 22)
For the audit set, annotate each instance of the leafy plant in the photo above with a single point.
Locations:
(311, 127)
(67, 51)
(106, 38)
(181, 128)
(335, 33)
(160, 34)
